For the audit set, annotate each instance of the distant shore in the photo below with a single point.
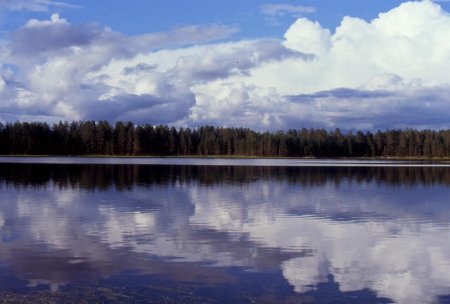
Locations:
(393, 158)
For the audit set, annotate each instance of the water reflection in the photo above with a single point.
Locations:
(97, 176)
(373, 235)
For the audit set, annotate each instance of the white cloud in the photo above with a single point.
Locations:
(274, 11)
(207, 72)
(53, 58)
(389, 72)
(308, 37)
(405, 42)
(281, 9)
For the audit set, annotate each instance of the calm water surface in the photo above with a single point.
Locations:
(234, 231)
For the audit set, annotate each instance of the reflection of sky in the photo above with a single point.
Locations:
(393, 240)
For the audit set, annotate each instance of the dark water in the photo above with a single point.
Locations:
(305, 233)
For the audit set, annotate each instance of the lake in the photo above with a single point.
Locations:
(163, 230)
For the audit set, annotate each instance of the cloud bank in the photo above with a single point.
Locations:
(387, 73)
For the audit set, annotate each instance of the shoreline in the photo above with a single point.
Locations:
(376, 158)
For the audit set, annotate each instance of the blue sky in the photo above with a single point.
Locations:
(260, 64)
(137, 17)
(142, 16)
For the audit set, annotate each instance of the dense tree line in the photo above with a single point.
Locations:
(125, 138)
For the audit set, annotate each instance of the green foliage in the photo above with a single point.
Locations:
(125, 138)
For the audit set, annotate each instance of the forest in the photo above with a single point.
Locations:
(128, 139)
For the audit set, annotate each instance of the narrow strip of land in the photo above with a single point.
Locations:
(84, 138)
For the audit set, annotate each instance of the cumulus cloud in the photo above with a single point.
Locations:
(201, 75)
(384, 73)
(401, 52)
(141, 108)
(53, 59)
(41, 37)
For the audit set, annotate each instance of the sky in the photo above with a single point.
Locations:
(266, 65)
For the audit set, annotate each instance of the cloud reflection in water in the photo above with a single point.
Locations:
(383, 229)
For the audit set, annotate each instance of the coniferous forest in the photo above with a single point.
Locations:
(125, 138)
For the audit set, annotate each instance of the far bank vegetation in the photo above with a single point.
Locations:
(128, 139)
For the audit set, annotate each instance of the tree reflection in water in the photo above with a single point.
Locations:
(237, 233)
